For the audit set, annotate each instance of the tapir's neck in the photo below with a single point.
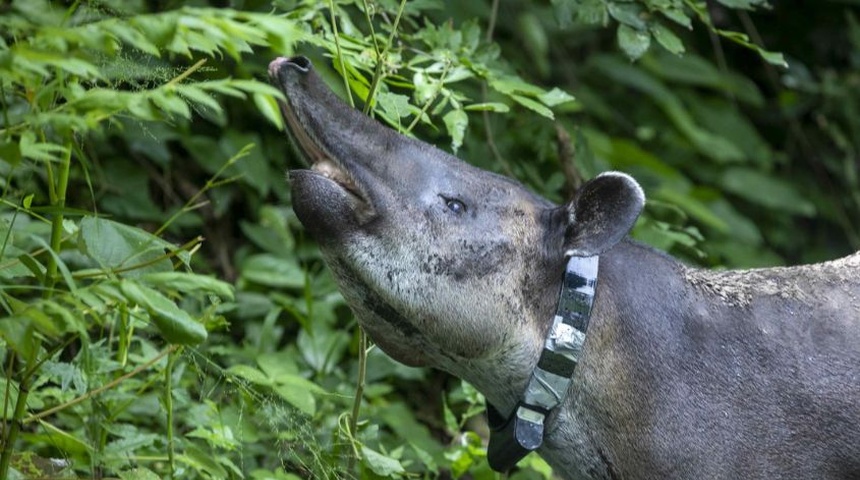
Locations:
(634, 280)
(628, 271)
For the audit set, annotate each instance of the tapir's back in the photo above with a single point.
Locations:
(776, 356)
(815, 284)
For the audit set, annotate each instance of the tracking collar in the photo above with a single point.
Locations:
(513, 438)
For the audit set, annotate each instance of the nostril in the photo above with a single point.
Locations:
(280, 64)
(300, 62)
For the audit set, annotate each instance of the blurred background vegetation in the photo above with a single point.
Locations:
(165, 316)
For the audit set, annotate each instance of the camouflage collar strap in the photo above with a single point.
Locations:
(514, 437)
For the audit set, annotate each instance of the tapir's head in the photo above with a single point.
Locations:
(443, 264)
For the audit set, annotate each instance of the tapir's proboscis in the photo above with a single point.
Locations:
(684, 373)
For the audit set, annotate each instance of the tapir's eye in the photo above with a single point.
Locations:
(455, 205)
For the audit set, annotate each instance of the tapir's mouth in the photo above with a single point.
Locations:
(333, 172)
(322, 163)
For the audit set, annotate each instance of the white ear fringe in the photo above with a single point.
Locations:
(637, 189)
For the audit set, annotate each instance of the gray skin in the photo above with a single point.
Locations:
(685, 373)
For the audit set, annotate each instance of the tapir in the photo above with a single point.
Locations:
(683, 373)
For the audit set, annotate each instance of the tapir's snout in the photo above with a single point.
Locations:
(333, 197)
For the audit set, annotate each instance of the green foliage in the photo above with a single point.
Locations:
(163, 313)
(641, 20)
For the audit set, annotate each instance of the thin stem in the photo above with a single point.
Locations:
(491, 26)
(359, 392)
(59, 203)
(20, 407)
(182, 76)
(372, 30)
(340, 55)
(57, 193)
(188, 246)
(7, 397)
(379, 74)
(431, 100)
(14, 428)
(8, 233)
(394, 27)
(99, 390)
(5, 109)
(377, 71)
(125, 329)
(211, 183)
(488, 129)
(168, 405)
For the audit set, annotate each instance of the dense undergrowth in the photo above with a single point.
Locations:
(163, 315)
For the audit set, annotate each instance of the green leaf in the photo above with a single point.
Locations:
(555, 97)
(380, 464)
(61, 439)
(633, 42)
(113, 245)
(667, 38)
(175, 324)
(691, 69)
(509, 85)
(186, 282)
(426, 87)
(270, 231)
(40, 151)
(297, 391)
(488, 106)
(451, 422)
(198, 95)
(394, 105)
(273, 271)
(203, 461)
(32, 266)
(18, 334)
(693, 207)
(678, 16)
(402, 422)
(535, 40)
(534, 106)
(629, 14)
(170, 103)
(268, 106)
(767, 191)
(774, 58)
(276, 364)
(592, 12)
(743, 4)
(10, 152)
(250, 374)
(708, 143)
(456, 122)
(139, 473)
(323, 348)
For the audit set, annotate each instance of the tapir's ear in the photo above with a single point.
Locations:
(601, 214)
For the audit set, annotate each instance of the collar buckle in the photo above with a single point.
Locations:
(513, 438)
